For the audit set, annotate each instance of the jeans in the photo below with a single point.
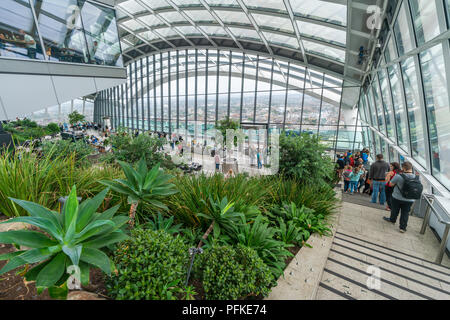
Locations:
(389, 191)
(378, 186)
(346, 185)
(405, 207)
(353, 186)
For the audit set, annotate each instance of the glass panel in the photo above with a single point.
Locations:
(132, 6)
(269, 4)
(214, 31)
(187, 2)
(157, 4)
(387, 104)
(379, 106)
(437, 104)
(245, 33)
(402, 32)
(321, 10)
(225, 3)
(200, 15)
(232, 16)
(399, 108)
(416, 121)
(322, 32)
(281, 40)
(324, 50)
(173, 16)
(151, 20)
(18, 34)
(311, 106)
(390, 53)
(278, 23)
(189, 30)
(425, 20)
(101, 34)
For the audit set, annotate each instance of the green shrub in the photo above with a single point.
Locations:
(130, 149)
(76, 117)
(53, 127)
(151, 265)
(59, 148)
(229, 273)
(302, 157)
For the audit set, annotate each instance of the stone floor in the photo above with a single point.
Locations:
(363, 242)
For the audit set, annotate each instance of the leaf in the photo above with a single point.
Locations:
(59, 293)
(108, 214)
(7, 256)
(42, 223)
(88, 208)
(85, 273)
(97, 258)
(73, 253)
(36, 210)
(28, 257)
(106, 240)
(71, 213)
(92, 228)
(27, 238)
(52, 272)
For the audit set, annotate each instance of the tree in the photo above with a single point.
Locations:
(225, 124)
(76, 117)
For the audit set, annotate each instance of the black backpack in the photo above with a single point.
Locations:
(412, 187)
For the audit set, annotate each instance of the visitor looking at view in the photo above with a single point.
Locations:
(377, 175)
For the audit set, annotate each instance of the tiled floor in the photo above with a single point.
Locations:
(364, 243)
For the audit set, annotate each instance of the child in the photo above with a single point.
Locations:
(347, 172)
(354, 179)
(362, 179)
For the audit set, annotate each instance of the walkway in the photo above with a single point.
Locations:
(362, 239)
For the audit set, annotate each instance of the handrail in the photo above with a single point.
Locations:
(430, 200)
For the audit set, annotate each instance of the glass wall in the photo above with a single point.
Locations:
(202, 87)
(414, 91)
(76, 31)
(18, 33)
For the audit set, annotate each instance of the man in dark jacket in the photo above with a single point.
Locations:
(377, 175)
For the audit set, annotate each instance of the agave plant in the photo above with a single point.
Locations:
(75, 237)
(222, 215)
(142, 185)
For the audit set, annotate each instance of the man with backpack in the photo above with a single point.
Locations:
(407, 189)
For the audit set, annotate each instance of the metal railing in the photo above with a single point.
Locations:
(443, 217)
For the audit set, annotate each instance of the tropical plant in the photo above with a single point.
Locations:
(222, 216)
(289, 232)
(260, 237)
(303, 157)
(75, 237)
(229, 273)
(76, 117)
(305, 219)
(151, 265)
(143, 185)
(247, 194)
(159, 222)
(53, 128)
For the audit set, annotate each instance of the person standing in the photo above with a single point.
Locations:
(340, 165)
(394, 169)
(258, 158)
(377, 175)
(407, 189)
(217, 161)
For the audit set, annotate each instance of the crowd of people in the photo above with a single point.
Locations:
(391, 184)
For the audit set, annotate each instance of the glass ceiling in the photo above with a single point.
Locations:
(317, 26)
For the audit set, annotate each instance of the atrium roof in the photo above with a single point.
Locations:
(321, 34)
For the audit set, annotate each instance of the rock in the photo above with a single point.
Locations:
(14, 226)
(83, 295)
